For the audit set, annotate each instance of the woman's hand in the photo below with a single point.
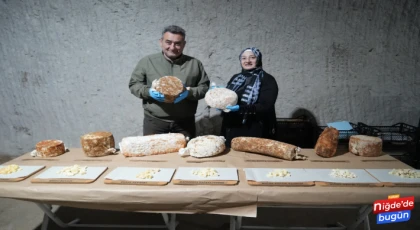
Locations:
(232, 108)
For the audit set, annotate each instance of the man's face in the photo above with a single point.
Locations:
(248, 60)
(172, 45)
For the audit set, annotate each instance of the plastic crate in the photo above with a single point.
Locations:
(398, 133)
(344, 135)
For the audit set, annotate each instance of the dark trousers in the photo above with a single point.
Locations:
(153, 125)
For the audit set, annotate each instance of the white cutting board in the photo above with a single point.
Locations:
(260, 175)
(130, 174)
(26, 171)
(91, 173)
(324, 176)
(185, 173)
(384, 176)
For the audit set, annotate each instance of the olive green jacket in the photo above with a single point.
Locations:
(188, 69)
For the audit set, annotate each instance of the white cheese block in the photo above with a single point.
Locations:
(204, 146)
(152, 144)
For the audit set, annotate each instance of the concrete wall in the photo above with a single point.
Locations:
(65, 65)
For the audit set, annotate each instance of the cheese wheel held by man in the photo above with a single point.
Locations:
(169, 86)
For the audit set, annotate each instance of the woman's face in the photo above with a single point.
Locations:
(248, 60)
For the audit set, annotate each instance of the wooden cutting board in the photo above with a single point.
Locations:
(393, 181)
(297, 178)
(51, 176)
(363, 179)
(184, 176)
(26, 172)
(128, 176)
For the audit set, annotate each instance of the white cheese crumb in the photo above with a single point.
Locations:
(342, 173)
(9, 169)
(279, 173)
(73, 170)
(205, 172)
(405, 173)
(148, 174)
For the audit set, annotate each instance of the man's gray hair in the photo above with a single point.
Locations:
(173, 29)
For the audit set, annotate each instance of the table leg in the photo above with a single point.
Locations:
(170, 223)
(239, 223)
(232, 223)
(363, 217)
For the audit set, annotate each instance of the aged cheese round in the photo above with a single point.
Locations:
(169, 86)
(98, 144)
(204, 146)
(219, 98)
(50, 148)
(366, 146)
(326, 145)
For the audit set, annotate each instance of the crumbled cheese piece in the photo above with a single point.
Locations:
(9, 169)
(205, 172)
(405, 173)
(279, 173)
(73, 170)
(342, 173)
(148, 174)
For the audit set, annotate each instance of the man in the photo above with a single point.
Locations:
(177, 117)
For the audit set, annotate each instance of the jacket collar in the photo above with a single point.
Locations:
(179, 60)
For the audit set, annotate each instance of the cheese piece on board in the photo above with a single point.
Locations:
(204, 146)
(50, 148)
(365, 146)
(219, 98)
(169, 86)
(266, 147)
(96, 144)
(326, 145)
(152, 144)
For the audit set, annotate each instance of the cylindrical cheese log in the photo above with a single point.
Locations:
(326, 146)
(265, 146)
(366, 146)
(50, 148)
(204, 146)
(98, 144)
(169, 86)
(152, 144)
(219, 98)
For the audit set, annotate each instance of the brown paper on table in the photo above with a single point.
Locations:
(226, 200)
(240, 200)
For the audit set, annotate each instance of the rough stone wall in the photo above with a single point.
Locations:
(65, 65)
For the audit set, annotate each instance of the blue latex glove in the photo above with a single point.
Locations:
(181, 97)
(214, 86)
(156, 95)
(233, 108)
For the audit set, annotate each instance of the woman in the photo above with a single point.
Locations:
(254, 115)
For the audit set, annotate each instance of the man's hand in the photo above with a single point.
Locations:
(181, 96)
(232, 108)
(156, 95)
